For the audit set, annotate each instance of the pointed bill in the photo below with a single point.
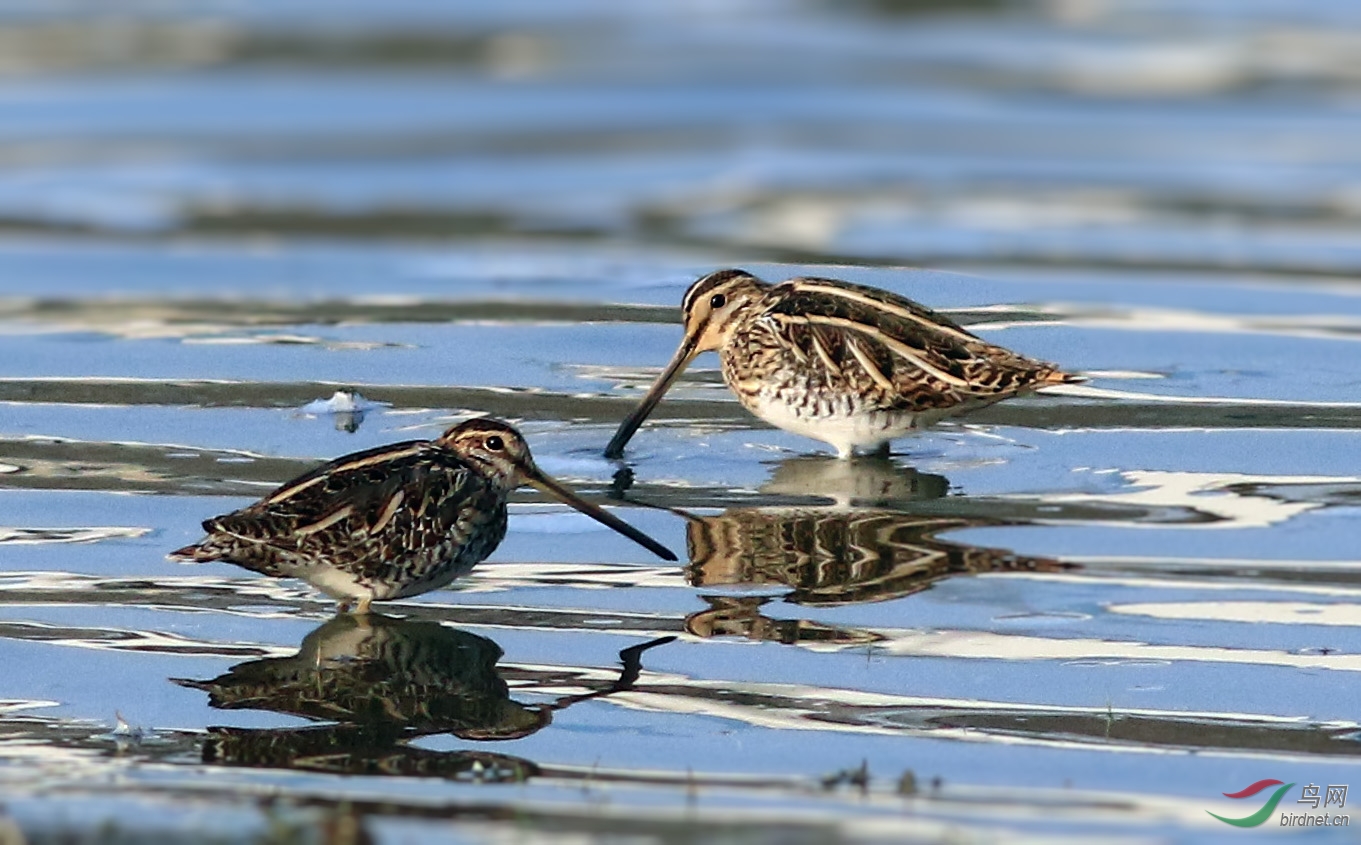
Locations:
(684, 355)
(534, 476)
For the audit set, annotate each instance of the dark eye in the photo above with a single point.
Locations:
(495, 443)
(718, 300)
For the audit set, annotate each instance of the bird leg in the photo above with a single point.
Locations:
(359, 607)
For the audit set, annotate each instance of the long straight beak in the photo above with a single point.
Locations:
(684, 355)
(536, 477)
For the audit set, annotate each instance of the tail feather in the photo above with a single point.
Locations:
(1057, 376)
(195, 553)
(210, 548)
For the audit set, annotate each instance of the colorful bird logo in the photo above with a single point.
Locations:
(1267, 809)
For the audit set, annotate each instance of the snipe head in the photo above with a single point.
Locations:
(496, 449)
(502, 455)
(712, 309)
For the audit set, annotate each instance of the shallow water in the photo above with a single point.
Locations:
(1084, 613)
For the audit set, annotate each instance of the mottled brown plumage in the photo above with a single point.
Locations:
(394, 521)
(396, 678)
(829, 557)
(375, 683)
(850, 365)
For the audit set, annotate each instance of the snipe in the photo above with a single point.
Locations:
(850, 365)
(394, 521)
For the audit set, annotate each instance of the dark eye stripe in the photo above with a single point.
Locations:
(708, 283)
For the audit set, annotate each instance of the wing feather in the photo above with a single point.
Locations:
(348, 504)
(911, 353)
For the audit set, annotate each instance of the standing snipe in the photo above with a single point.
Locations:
(850, 365)
(393, 521)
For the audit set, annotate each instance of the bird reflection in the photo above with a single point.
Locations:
(858, 549)
(348, 421)
(381, 682)
(346, 407)
(862, 482)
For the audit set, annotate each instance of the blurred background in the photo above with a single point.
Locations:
(1159, 136)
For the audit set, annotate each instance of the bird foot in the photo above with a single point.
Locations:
(358, 607)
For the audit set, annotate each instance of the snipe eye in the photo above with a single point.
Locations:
(718, 300)
(494, 443)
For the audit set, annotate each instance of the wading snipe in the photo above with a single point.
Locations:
(850, 365)
(393, 521)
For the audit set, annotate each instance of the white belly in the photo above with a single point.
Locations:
(335, 582)
(342, 585)
(845, 428)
